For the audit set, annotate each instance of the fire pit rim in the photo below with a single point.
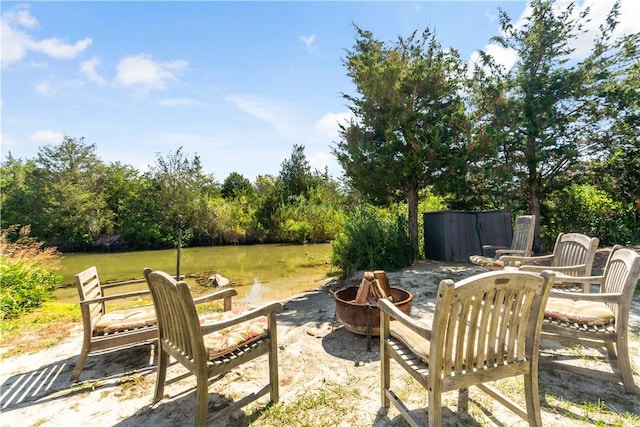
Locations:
(408, 299)
(355, 311)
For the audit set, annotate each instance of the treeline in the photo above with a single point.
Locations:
(72, 200)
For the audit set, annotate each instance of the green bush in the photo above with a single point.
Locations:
(583, 208)
(308, 219)
(25, 286)
(371, 239)
(27, 272)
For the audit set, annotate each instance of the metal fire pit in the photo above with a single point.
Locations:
(364, 319)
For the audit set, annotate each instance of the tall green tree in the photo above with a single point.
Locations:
(18, 198)
(545, 115)
(409, 119)
(179, 190)
(295, 173)
(72, 208)
(236, 185)
(618, 171)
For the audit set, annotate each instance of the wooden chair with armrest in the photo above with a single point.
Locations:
(485, 328)
(223, 342)
(597, 318)
(573, 255)
(521, 244)
(106, 328)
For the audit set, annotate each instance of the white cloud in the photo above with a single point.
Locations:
(88, 69)
(629, 22)
(491, 16)
(308, 42)
(7, 142)
(328, 124)
(503, 56)
(58, 49)
(16, 43)
(46, 136)
(599, 9)
(144, 74)
(629, 17)
(44, 88)
(320, 160)
(278, 116)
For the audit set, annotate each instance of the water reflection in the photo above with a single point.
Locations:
(256, 292)
(257, 272)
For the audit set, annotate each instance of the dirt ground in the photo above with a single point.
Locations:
(316, 351)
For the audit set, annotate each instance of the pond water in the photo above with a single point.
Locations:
(257, 272)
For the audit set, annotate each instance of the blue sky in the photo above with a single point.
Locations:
(238, 83)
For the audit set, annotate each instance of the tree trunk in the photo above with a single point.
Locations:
(413, 222)
(534, 207)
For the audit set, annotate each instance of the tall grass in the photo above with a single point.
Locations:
(372, 238)
(27, 272)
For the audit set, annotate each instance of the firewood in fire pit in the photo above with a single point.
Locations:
(363, 291)
(382, 278)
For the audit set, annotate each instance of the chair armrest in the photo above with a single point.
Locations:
(597, 280)
(115, 297)
(225, 293)
(122, 283)
(563, 269)
(526, 259)
(264, 310)
(389, 309)
(516, 252)
(486, 249)
(494, 247)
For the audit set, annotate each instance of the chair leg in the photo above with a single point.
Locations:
(532, 398)
(435, 408)
(624, 365)
(163, 361)
(77, 370)
(385, 376)
(273, 360)
(202, 400)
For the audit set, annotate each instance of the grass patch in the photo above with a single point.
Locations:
(331, 404)
(39, 329)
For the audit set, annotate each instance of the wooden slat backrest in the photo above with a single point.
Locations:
(621, 277)
(575, 249)
(486, 321)
(88, 284)
(523, 233)
(179, 328)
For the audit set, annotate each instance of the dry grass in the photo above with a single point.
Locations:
(24, 247)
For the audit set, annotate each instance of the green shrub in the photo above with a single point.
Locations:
(27, 273)
(308, 220)
(371, 239)
(583, 208)
(25, 286)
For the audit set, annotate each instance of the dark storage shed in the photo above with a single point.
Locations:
(453, 236)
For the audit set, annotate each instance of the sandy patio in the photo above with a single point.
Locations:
(317, 355)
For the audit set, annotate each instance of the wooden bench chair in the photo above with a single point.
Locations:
(211, 346)
(106, 329)
(521, 244)
(597, 318)
(573, 255)
(485, 328)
